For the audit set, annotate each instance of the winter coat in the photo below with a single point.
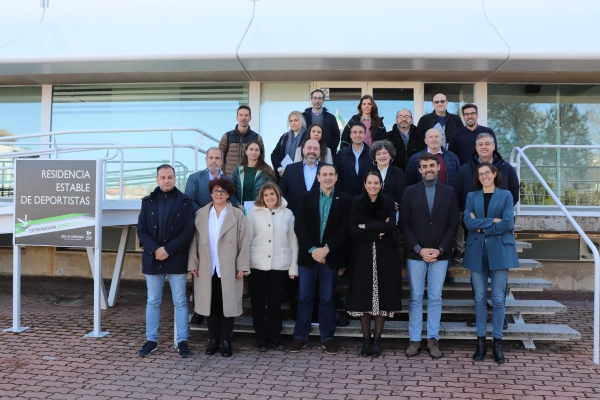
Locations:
(348, 181)
(279, 153)
(233, 145)
(378, 132)
(499, 237)
(430, 120)
(389, 275)
(234, 249)
(331, 130)
(238, 182)
(179, 233)
(416, 143)
(273, 242)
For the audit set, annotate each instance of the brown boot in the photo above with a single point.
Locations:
(433, 347)
(413, 349)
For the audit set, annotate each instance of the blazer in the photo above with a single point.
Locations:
(307, 226)
(499, 237)
(345, 164)
(394, 183)
(197, 189)
(292, 185)
(434, 230)
(234, 250)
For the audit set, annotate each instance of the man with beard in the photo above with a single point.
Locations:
(301, 177)
(429, 219)
(406, 138)
(463, 140)
(197, 184)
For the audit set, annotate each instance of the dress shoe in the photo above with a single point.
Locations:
(196, 319)
(262, 347)
(275, 344)
(497, 351)
(376, 349)
(449, 278)
(505, 325)
(226, 350)
(212, 348)
(366, 347)
(472, 322)
(481, 349)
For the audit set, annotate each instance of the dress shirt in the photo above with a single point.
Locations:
(324, 208)
(214, 231)
(383, 173)
(356, 156)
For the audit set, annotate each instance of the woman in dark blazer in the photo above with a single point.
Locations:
(375, 287)
(490, 249)
(383, 153)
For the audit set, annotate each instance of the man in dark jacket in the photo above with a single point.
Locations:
(406, 138)
(429, 219)
(353, 162)
(448, 161)
(440, 118)
(319, 115)
(233, 143)
(463, 140)
(165, 228)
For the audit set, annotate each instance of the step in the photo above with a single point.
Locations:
(517, 228)
(514, 284)
(466, 306)
(525, 264)
(523, 245)
(449, 330)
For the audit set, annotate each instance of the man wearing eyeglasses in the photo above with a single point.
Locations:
(319, 115)
(406, 138)
(463, 140)
(440, 119)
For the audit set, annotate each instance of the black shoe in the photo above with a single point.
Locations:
(341, 320)
(262, 347)
(505, 325)
(196, 319)
(376, 350)
(149, 348)
(184, 350)
(457, 256)
(449, 278)
(212, 348)
(226, 350)
(497, 351)
(366, 348)
(472, 322)
(481, 349)
(275, 344)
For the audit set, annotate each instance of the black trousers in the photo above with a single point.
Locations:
(220, 327)
(266, 289)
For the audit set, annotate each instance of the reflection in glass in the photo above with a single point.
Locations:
(390, 101)
(551, 114)
(210, 107)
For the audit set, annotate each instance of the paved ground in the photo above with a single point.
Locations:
(51, 360)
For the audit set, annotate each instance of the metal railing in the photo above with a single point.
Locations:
(521, 155)
(50, 146)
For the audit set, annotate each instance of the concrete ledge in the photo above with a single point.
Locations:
(543, 223)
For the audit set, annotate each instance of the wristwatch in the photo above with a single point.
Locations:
(441, 251)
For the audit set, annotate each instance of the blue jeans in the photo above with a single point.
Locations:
(479, 281)
(435, 273)
(327, 312)
(155, 285)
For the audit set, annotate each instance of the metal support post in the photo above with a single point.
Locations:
(16, 328)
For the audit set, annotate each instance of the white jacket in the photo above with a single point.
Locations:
(273, 242)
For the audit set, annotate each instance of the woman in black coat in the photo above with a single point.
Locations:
(375, 287)
(383, 153)
(368, 114)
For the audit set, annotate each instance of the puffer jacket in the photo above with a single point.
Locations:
(273, 242)
(233, 145)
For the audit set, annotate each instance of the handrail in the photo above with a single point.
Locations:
(520, 154)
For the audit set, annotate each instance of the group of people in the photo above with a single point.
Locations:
(440, 187)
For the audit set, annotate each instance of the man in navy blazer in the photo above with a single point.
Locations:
(322, 230)
(301, 177)
(429, 220)
(197, 184)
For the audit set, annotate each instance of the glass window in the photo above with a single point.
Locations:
(523, 115)
(277, 101)
(390, 101)
(456, 93)
(208, 106)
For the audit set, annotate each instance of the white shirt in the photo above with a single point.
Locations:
(383, 173)
(214, 231)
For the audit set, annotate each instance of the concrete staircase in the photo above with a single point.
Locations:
(516, 309)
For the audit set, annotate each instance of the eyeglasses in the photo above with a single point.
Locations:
(219, 192)
(469, 114)
(439, 101)
(486, 173)
(404, 116)
(318, 98)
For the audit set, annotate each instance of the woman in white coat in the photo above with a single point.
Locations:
(273, 256)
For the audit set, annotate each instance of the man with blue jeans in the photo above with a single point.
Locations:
(165, 229)
(322, 230)
(429, 220)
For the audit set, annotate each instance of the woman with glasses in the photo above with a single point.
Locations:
(219, 258)
(315, 132)
(273, 258)
(289, 141)
(250, 175)
(375, 287)
(490, 250)
(368, 114)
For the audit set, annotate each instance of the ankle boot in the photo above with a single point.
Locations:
(376, 350)
(481, 349)
(497, 351)
(366, 348)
